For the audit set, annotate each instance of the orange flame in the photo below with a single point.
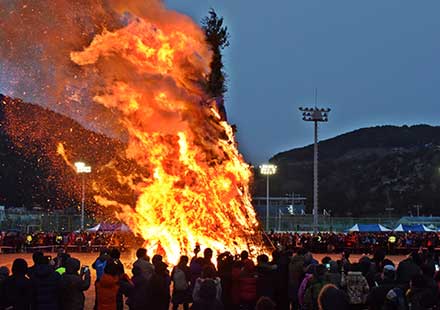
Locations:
(196, 188)
(147, 72)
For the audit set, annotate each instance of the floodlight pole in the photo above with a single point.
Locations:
(315, 115)
(315, 179)
(83, 199)
(267, 201)
(267, 170)
(82, 168)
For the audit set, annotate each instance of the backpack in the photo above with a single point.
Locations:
(179, 279)
(395, 300)
(208, 290)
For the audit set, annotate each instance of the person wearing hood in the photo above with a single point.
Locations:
(73, 284)
(45, 283)
(17, 290)
(377, 297)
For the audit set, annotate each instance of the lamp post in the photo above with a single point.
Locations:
(315, 115)
(267, 170)
(82, 168)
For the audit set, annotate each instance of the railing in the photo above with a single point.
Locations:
(326, 223)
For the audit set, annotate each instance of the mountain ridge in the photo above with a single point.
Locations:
(365, 171)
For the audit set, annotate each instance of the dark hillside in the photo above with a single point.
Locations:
(367, 170)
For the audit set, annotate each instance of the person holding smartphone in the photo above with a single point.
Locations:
(73, 284)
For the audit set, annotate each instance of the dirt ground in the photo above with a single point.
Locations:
(127, 259)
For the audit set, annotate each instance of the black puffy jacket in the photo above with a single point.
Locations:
(72, 286)
(16, 293)
(45, 284)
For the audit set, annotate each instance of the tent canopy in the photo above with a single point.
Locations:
(107, 227)
(413, 228)
(368, 228)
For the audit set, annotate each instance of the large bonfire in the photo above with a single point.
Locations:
(141, 70)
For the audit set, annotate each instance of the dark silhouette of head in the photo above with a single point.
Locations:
(207, 254)
(157, 259)
(37, 257)
(141, 253)
(183, 260)
(19, 267)
(115, 254)
(262, 259)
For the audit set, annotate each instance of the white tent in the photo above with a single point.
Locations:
(413, 228)
(368, 228)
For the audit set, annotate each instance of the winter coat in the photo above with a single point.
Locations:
(406, 270)
(421, 298)
(139, 296)
(296, 274)
(248, 287)
(312, 292)
(356, 287)
(45, 283)
(72, 286)
(266, 280)
(16, 293)
(376, 298)
(107, 292)
(160, 290)
(99, 266)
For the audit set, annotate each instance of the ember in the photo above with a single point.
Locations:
(190, 183)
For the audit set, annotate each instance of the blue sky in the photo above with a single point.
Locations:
(374, 62)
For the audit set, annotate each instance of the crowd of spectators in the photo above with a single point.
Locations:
(78, 241)
(323, 242)
(286, 280)
(357, 242)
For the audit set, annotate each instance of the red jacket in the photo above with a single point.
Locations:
(248, 287)
(107, 292)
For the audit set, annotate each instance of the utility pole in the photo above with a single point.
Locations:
(315, 115)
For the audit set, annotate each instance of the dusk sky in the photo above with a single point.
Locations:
(374, 62)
